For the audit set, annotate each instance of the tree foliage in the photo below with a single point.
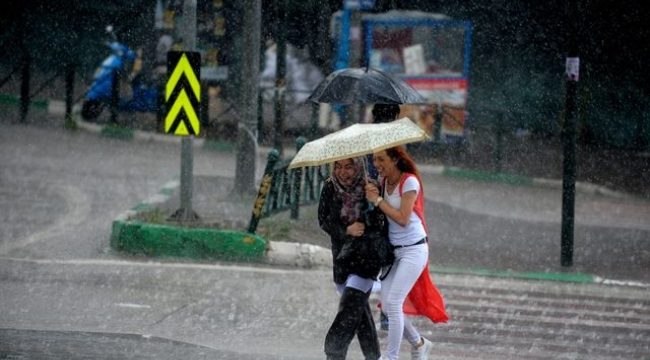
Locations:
(57, 33)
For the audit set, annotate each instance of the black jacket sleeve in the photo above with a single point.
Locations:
(329, 219)
(329, 213)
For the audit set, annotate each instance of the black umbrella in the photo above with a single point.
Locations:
(366, 86)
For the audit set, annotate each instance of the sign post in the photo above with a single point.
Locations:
(569, 137)
(182, 99)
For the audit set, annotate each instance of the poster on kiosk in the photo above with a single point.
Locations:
(431, 53)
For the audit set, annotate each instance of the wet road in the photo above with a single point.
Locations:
(64, 296)
(504, 227)
(136, 309)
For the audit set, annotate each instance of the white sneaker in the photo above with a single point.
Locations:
(422, 352)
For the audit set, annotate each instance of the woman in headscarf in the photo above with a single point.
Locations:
(341, 214)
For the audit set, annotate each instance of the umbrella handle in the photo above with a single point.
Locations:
(371, 206)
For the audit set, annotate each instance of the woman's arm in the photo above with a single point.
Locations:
(402, 215)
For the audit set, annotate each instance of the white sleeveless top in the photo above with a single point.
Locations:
(414, 230)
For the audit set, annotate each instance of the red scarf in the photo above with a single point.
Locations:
(424, 298)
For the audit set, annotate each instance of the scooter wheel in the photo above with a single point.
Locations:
(91, 109)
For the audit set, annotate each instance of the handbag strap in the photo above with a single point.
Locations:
(383, 276)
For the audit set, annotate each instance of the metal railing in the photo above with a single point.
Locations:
(282, 189)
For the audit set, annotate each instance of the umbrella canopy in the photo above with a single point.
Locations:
(365, 86)
(357, 140)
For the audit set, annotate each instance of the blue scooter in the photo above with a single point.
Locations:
(145, 97)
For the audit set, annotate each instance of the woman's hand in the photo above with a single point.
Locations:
(356, 229)
(372, 192)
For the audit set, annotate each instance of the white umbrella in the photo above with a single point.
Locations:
(357, 140)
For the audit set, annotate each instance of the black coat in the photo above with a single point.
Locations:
(329, 219)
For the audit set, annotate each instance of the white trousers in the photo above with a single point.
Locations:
(356, 282)
(409, 264)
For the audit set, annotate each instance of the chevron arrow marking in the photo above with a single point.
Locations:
(183, 67)
(182, 102)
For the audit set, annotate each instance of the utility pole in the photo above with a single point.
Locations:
(248, 99)
(569, 135)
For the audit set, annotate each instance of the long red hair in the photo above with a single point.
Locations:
(404, 162)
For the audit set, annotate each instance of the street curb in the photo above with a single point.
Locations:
(299, 254)
(557, 277)
(139, 135)
(154, 240)
(136, 237)
(15, 100)
(126, 134)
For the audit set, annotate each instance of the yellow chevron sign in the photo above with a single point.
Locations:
(183, 93)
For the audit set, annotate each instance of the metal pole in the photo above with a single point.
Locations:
(188, 31)
(569, 136)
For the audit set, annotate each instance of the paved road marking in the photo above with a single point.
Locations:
(153, 264)
(133, 306)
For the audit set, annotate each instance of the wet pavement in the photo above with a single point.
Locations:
(494, 255)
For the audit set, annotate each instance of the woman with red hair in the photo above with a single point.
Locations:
(407, 286)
